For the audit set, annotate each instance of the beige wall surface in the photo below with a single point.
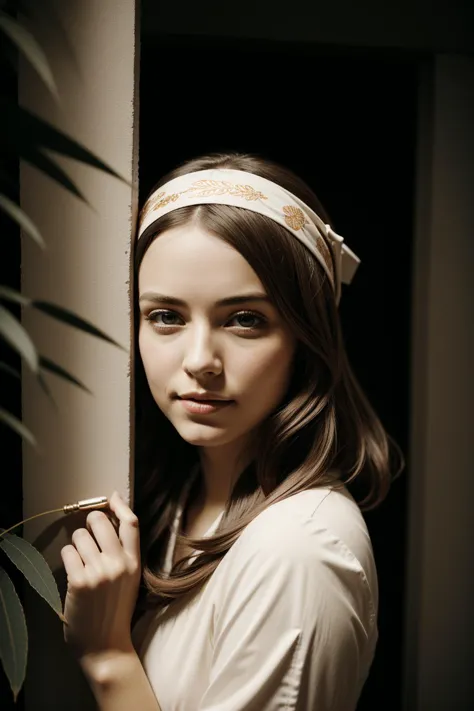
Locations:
(84, 448)
(440, 585)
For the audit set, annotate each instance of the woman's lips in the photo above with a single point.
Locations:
(204, 407)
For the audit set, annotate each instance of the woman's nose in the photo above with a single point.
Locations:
(201, 354)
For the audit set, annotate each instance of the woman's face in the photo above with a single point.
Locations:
(240, 351)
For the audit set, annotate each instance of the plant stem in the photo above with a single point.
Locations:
(2, 533)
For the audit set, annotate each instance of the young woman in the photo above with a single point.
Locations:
(256, 453)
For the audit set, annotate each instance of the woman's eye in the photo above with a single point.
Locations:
(246, 316)
(248, 321)
(154, 317)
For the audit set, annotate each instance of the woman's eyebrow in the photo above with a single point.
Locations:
(154, 297)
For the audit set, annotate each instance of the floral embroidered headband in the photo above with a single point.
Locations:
(249, 191)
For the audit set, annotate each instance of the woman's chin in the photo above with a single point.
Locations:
(203, 435)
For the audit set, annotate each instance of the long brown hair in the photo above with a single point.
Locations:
(324, 424)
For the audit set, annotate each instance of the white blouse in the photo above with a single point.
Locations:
(287, 621)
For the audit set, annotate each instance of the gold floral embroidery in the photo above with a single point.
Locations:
(204, 188)
(294, 217)
(157, 201)
(164, 201)
(149, 205)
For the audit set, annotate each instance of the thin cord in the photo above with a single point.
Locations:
(61, 510)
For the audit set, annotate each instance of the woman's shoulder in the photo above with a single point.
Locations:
(309, 511)
(316, 525)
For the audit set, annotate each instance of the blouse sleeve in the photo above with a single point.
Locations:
(295, 628)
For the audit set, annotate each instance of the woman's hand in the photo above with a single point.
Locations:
(103, 579)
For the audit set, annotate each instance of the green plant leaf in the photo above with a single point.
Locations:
(45, 387)
(6, 292)
(48, 364)
(28, 45)
(16, 335)
(45, 16)
(69, 317)
(13, 634)
(15, 424)
(35, 569)
(17, 214)
(20, 127)
(46, 165)
(8, 369)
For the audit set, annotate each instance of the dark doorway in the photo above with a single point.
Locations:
(345, 120)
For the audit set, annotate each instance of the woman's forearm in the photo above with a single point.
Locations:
(119, 682)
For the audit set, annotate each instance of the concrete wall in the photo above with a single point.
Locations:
(85, 449)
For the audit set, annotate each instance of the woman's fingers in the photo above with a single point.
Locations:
(128, 527)
(86, 547)
(104, 549)
(104, 533)
(73, 563)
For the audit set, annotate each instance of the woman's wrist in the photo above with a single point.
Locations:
(105, 667)
(118, 681)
